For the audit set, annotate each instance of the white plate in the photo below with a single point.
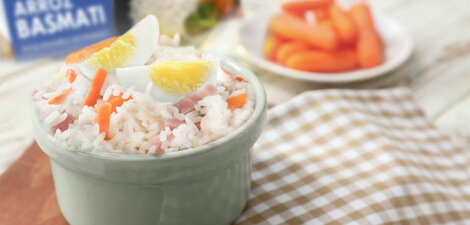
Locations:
(398, 47)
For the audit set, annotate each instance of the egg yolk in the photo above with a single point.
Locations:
(179, 77)
(114, 56)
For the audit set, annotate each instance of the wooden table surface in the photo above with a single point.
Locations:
(438, 74)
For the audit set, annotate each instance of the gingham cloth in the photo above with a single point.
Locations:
(356, 157)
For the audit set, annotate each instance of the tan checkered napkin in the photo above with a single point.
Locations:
(356, 157)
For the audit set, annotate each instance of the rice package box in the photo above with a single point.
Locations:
(40, 28)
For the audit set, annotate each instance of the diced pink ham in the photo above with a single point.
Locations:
(203, 92)
(188, 102)
(185, 105)
(156, 141)
(172, 123)
(64, 125)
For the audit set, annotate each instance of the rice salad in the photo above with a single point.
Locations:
(164, 100)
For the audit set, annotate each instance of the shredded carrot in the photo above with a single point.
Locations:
(71, 75)
(236, 101)
(60, 98)
(117, 101)
(103, 116)
(95, 87)
(227, 72)
(231, 74)
(240, 79)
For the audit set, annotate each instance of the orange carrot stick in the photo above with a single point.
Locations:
(303, 5)
(95, 87)
(79, 55)
(288, 48)
(362, 16)
(71, 75)
(344, 24)
(117, 101)
(59, 98)
(323, 61)
(369, 49)
(270, 46)
(236, 101)
(103, 116)
(291, 27)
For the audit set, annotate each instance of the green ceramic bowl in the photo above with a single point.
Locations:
(204, 185)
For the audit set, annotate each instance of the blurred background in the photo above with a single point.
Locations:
(436, 73)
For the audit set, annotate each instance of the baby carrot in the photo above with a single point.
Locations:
(71, 75)
(362, 16)
(369, 49)
(60, 98)
(117, 101)
(95, 87)
(303, 5)
(298, 14)
(236, 101)
(343, 24)
(370, 45)
(321, 14)
(103, 116)
(287, 49)
(326, 23)
(270, 46)
(323, 61)
(291, 27)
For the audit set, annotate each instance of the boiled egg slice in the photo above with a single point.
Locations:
(170, 80)
(133, 48)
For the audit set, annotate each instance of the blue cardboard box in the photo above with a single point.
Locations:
(40, 28)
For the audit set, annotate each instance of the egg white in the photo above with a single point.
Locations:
(139, 77)
(146, 33)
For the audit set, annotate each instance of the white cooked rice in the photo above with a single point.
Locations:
(136, 126)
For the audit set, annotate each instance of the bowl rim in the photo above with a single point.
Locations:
(260, 108)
